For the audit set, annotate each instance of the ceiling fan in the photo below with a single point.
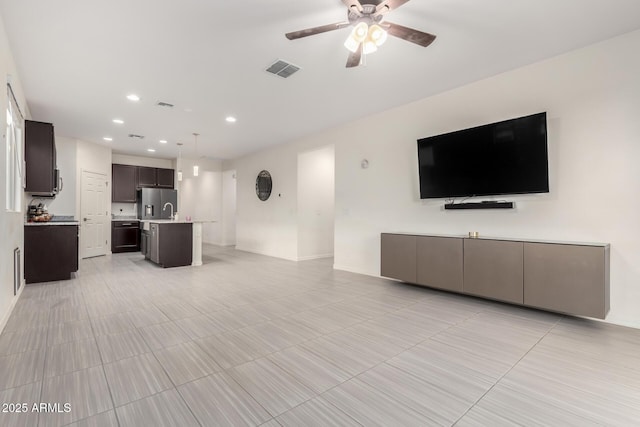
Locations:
(369, 29)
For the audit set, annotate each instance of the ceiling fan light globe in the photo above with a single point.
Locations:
(377, 34)
(360, 32)
(351, 44)
(369, 47)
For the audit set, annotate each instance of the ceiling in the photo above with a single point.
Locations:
(78, 60)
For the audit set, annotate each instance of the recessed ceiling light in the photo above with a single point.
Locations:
(118, 121)
(151, 150)
(163, 141)
(133, 97)
(231, 119)
(108, 138)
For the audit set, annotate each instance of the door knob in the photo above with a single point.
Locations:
(84, 219)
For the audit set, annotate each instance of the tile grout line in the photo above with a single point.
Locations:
(44, 364)
(357, 375)
(104, 372)
(509, 370)
(182, 399)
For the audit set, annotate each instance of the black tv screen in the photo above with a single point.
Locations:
(508, 157)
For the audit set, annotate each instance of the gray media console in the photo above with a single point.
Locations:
(565, 277)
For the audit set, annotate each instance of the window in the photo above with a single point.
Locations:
(15, 154)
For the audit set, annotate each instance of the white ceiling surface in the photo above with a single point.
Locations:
(79, 59)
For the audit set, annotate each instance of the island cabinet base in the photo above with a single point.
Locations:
(171, 244)
(565, 277)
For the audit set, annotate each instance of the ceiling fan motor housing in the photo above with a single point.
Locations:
(367, 15)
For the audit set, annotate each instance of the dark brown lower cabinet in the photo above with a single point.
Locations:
(125, 236)
(171, 244)
(50, 252)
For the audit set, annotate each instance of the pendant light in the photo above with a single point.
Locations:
(179, 164)
(196, 169)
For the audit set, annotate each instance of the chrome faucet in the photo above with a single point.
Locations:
(164, 208)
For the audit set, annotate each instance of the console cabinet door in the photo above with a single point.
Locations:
(571, 279)
(440, 262)
(494, 269)
(398, 257)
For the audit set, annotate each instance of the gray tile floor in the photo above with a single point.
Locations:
(252, 340)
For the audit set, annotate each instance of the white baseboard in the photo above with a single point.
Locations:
(355, 270)
(310, 257)
(253, 251)
(12, 304)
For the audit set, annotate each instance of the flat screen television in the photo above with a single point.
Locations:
(508, 157)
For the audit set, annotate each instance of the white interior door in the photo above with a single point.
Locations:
(93, 212)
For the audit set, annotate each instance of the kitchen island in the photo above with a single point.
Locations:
(167, 243)
(196, 238)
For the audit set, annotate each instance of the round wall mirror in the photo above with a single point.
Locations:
(263, 185)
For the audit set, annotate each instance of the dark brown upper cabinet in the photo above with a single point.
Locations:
(155, 177)
(124, 186)
(128, 179)
(40, 157)
(147, 177)
(164, 178)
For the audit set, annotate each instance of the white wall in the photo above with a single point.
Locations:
(124, 209)
(591, 97)
(201, 197)
(316, 170)
(11, 223)
(228, 231)
(268, 227)
(152, 162)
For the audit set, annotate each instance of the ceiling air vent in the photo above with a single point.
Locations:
(282, 68)
(164, 104)
(133, 135)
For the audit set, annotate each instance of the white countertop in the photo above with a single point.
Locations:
(144, 223)
(180, 221)
(31, 224)
(512, 239)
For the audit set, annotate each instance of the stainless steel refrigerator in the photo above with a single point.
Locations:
(152, 200)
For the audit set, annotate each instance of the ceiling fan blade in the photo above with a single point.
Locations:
(388, 5)
(353, 6)
(316, 30)
(409, 34)
(354, 57)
